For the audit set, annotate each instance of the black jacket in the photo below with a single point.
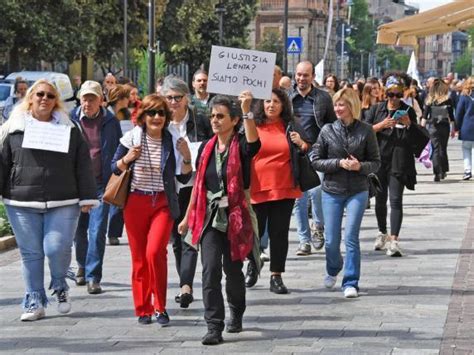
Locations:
(397, 145)
(336, 142)
(323, 111)
(45, 179)
(295, 150)
(169, 169)
(198, 126)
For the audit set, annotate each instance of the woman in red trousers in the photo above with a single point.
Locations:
(152, 203)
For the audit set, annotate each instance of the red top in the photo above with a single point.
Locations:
(271, 173)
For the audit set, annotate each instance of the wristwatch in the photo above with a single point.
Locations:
(248, 116)
(187, 162)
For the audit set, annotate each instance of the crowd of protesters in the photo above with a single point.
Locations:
(228, 169)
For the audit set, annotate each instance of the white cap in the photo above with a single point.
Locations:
(91, 87)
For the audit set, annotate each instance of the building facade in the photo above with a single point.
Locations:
(307, 19)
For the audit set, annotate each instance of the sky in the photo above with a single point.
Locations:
(428, 4)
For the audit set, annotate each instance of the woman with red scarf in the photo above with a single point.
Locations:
(219, 212)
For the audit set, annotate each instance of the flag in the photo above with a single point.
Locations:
(319, 72)
(412, 69)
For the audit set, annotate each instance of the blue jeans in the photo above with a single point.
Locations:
(115, 222)
(333, 209)
(39, 233)
(90, 247)
(467, 153)
(301, 212)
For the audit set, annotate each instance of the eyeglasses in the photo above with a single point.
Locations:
(42, 94)
(398, 95)
(153, 113)
(219, 116)
(176, 98)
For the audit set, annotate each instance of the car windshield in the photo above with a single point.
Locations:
(4, 92)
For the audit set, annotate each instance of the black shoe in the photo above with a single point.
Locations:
(80, 277)
(212, 337)
(93, 288)
(144, 320)
(252, 275)
(162, 318)
(235, 324)
(277, 285)
(114, 241)
(444, 175)
(185, 300)
(437, 177)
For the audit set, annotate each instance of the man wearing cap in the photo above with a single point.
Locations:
(102, 132)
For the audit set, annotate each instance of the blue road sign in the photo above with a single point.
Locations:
(294, 45)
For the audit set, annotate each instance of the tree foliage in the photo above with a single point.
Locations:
(272, 42)
(188, 31)
(61, 30)
(389, 59)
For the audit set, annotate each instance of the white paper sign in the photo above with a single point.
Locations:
(46, 136)
(233, 70)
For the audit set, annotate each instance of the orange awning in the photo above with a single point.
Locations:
(455, 16)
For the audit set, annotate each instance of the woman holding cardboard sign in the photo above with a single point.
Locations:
(400, 139)
(44, 187)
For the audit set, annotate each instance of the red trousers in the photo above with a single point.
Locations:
(149, 229)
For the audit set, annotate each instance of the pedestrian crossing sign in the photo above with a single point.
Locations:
(294, 45)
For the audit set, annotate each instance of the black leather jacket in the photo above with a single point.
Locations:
(336, 142)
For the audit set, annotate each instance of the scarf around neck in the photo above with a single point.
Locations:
(239, 230)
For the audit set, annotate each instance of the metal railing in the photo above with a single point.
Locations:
(320, 5)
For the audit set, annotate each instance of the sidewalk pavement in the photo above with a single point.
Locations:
(421, 303)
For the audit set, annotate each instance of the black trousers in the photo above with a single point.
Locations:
(215, 256)
(277, 214)
(186, 256)
(393, 187)
(439, 135)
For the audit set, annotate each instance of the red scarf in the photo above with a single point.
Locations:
(239, 229)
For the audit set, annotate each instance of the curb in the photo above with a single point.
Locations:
(7, 242)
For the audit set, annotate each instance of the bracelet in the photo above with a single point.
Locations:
(248, 116)
(187, 162)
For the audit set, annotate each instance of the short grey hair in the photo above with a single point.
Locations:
(175, 84)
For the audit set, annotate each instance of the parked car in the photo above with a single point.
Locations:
(62, 82)
(6, 90)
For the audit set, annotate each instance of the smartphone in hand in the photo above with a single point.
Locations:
(399, 114)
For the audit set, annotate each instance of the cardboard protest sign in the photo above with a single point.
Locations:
(233, 70)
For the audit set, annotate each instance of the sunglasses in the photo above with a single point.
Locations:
(153, 113)
(219, 116)
(398, 95)
(42, 94)
(176, 98)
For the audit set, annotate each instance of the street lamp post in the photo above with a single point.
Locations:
(151, 46)
(285, 38)
(299, 35)
(125, 35)
(220, 10)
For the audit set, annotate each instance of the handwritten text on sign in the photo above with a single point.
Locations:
(46, 136)
(233, 70)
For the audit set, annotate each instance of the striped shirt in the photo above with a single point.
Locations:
(144, 178)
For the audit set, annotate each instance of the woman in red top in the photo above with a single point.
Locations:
(274, 185)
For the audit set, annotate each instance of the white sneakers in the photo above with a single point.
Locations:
(329, 281)
(380, 241)
(64, 304)
(350, 292)
(33, 314)
(393, 249)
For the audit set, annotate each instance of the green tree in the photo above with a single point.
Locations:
(272, 42)
(188, 31)
(463, 65)
(389, 59)
(361, 38)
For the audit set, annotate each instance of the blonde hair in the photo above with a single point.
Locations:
(467, 86)
(351, 98)
(25, 105)
(439, 92)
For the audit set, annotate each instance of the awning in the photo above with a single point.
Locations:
(455, 16)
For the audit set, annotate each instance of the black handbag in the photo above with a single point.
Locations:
(308, 178)
(375, 186)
